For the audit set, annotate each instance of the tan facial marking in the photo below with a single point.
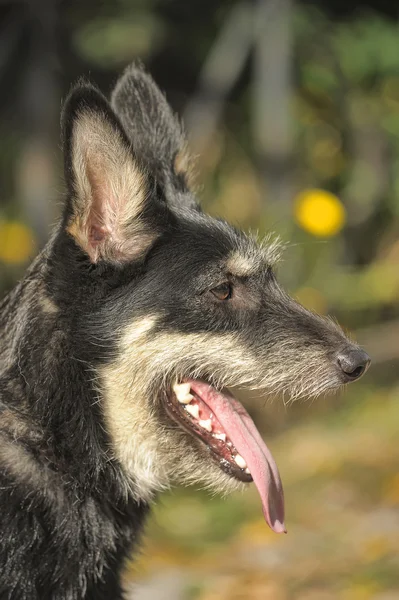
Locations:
(242, 266)
(149, 452)
(254, 256)
(153, 451)
(133, 435)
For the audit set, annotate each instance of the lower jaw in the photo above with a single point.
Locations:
(225, 465)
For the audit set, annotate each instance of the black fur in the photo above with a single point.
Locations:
(66, 519)
(153, 131)
(69, 512)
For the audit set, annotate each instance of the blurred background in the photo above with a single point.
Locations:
(293, 107)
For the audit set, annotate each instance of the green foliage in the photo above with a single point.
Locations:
(113, 43)
(338, 458)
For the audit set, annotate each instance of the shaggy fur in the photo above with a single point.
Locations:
(119, 306)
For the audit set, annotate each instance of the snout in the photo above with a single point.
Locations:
(353, 363)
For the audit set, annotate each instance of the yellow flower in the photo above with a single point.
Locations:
(320, 213)
(16, 242)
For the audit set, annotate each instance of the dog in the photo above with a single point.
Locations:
(119, 346)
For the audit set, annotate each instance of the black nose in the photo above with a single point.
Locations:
(354, 363)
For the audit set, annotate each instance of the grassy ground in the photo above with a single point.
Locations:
(339, 464)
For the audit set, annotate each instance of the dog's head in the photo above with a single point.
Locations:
(172, 307)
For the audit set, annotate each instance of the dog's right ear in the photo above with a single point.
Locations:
(112, 209)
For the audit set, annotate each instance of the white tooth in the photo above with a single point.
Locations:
(185, 399)
(206, 424)
(220, 436)
(184, 387)
(182, 391)
(248, 472)
(240, 461)
(193, 409)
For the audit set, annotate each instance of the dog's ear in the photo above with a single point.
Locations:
(111, 197)
(155, 133)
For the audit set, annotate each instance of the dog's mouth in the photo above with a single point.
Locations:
(221, 422)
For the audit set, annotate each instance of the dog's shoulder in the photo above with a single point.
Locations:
(44, 518)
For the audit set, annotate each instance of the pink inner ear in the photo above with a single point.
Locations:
(103, 205)
(97, 234)
(110, 195)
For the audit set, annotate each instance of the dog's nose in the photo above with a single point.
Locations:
(354, 363)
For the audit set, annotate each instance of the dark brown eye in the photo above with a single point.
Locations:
(223, 291)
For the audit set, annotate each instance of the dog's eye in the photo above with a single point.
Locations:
(223, 291)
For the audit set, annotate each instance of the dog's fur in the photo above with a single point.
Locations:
(117, 307)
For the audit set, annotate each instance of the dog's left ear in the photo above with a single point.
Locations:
(110, 211)
(156, 135)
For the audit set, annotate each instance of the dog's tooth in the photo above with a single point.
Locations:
(185, 399)
(248, 472)
(206, 425)
(220, 436)
(182, 391)
(240, 461)
(193, 409)
(184, 387)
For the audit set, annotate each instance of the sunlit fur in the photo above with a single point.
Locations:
(119, 306)
(154, 451)
(110, 193)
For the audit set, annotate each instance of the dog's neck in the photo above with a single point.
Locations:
(44, 374)
(52, 439)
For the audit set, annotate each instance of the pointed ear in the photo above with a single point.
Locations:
(109, 191)
(156, 134)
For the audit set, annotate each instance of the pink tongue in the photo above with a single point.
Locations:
(246, 438)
